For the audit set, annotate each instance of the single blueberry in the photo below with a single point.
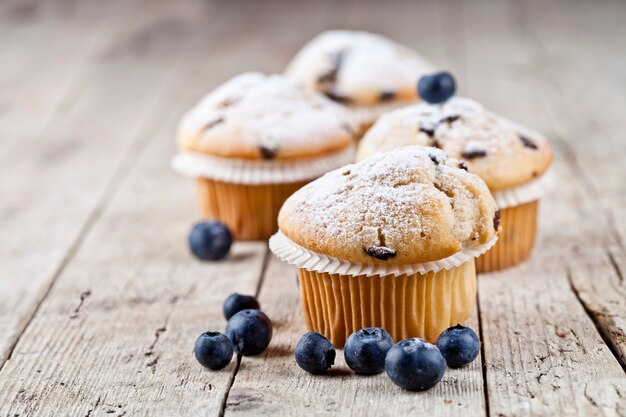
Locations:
(210, 241)
(415, 364)
(315, 353)
(250, 331)
(213, 350)
(365, 350)
(436, 88)
(459, 345)
(237, 302)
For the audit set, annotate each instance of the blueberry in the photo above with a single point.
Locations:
(459, 345)
(213, 350)
(365, 350)
(315, 353)
(210, 241)
(237, 302)
(436, 88)
(415, 364)
(250, 331)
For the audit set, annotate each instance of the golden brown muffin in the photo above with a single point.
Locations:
(255, 140)
(407, 206)
(503, 154)
(257, 116)
(388, 242)
(366, 72)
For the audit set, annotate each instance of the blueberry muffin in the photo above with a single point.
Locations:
(511, 159)
(388, 242)
(255, 140)
(366, 72)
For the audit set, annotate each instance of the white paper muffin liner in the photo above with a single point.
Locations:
(525, 193)
(242, 171)
(288, 251)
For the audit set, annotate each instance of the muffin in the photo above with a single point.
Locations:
(511, 159)
(388, 242)
(254, 141)
(367, 73)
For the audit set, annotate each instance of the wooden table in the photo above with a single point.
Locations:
(100, 301)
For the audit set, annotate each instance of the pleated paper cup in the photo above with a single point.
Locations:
(249, 211)
(246, 195)
(420, 300)
(519, 212)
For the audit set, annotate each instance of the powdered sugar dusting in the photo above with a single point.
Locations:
(415, 201)
(272, 113)
(461, 127)
(359, 67)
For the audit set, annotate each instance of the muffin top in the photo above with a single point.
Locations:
(257, 116)
(358, 68)
(407, 206)
(502, 153)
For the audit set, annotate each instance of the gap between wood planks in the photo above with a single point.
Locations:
(231, 381)
(133, 152)
(593, 315)
(483, 358)
(571, 157)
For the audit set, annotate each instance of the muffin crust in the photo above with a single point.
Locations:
(408, 206)
(359, 68)
(502, 153)
(266, 117)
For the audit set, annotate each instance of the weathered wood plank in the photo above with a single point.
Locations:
(115, 335)
(44, 46)
(133, 271)
(273, 384)
(543, 354)
(598, 280)
(119, 325)
(122, 94)
(586, 113)
(586, 109)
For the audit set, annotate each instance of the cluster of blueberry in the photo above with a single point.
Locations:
(413, 364)
(248, 333)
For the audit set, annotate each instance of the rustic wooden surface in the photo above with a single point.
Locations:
(100, 302)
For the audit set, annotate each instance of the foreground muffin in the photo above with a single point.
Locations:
(511, 159)
(389, 242)
(367, 73)
(254, 141)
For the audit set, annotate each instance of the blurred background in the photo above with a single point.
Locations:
(86, 87)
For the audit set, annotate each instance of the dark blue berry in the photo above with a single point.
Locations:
(459, 345)
(415, 364)
(237, 302)
(213, 350)
(250, 331)
(210, 241)
(366, 349)
(315, 353)
(436, 88)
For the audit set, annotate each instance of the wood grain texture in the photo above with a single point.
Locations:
(273, 384)
(120, 98)
(598, 280)
(93, 223)
(543, 354)
(119, 325)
